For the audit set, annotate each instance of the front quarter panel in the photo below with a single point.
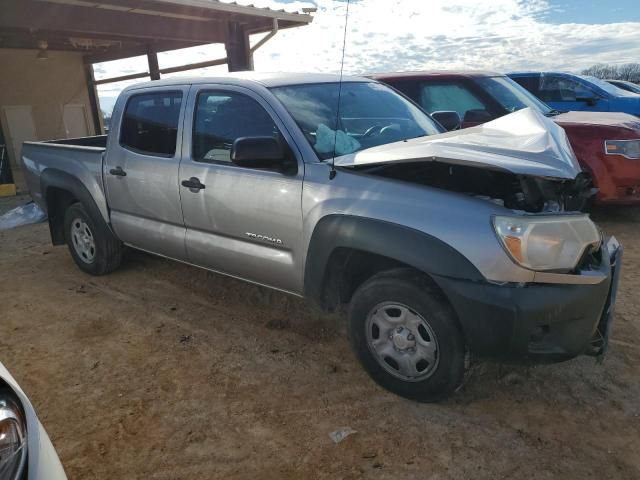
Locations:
(626, 104)
(461, 222)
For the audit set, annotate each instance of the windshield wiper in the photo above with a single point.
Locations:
(553, 113)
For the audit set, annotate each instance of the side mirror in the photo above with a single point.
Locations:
(260, 152)
(449, 120)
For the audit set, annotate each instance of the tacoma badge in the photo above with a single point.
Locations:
(266, 238)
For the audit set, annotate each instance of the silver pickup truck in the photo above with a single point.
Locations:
(441, 244)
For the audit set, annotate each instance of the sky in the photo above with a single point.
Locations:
(401, 35)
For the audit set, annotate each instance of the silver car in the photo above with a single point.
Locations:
(348, 194)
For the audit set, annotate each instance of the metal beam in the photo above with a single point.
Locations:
(266, 38)
(180, 68)
(238, 48)
(96, 114)
(33, 15)
(194, 66)
(135, 51)
(152, 60)
(122, 78)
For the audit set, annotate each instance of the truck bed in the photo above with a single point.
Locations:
(99, 141)
(77, 157)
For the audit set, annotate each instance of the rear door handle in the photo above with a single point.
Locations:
(193, 184)
(118, 172)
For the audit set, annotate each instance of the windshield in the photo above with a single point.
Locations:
(510, 95)
(371, 114)
(607, 87)
(631, 87)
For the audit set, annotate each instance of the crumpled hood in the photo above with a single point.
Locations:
(607, 119)
(524, 142)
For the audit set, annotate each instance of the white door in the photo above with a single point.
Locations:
(75, 121)
(20, 128)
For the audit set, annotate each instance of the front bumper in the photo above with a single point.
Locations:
(536, 321)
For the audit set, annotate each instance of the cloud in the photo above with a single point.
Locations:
(384, 35)
(499, 35)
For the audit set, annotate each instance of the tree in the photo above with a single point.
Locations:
(627, 71)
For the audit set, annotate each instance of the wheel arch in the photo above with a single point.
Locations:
(60, 190)
(344, 251)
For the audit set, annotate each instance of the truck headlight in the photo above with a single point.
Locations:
(547, 243)
(13, 437)
(626, 148)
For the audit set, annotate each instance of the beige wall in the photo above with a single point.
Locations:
(44, 85)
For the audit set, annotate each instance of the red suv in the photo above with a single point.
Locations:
(606, 144)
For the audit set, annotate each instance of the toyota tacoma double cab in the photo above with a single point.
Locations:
(342, 191)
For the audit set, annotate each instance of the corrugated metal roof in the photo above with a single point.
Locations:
(212, 5)
(236, 7)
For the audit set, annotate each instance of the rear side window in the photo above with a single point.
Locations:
(150, 123)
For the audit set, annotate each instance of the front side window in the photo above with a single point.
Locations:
(554, 88)
(221, 118)
(455, 97)
(370, 114)
(150, 123)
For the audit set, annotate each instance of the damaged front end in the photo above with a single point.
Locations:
(521, 161)
(516, 192)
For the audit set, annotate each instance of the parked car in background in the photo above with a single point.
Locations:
(26, 452)
(606, 144)
(570, 92)
(623, 84)
(440, 243)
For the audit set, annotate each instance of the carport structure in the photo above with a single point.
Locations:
(69, 36)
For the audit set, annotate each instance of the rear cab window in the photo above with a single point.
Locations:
(150, 123)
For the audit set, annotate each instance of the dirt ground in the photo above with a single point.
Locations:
(164, 371)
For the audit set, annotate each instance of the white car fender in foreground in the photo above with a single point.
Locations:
(42, 459)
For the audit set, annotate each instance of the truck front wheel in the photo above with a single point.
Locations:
(92, 245)
(406, 336)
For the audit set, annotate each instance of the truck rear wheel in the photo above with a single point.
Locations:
(93, 246)
(406, 336)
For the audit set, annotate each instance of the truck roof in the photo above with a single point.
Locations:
(245, 78)
(434, 73)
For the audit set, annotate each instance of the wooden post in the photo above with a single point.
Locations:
(239, 55)
(152, 58)
(96, 113)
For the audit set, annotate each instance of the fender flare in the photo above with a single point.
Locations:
(398, 242)
(52, 177)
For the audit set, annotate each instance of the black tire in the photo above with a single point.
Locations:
(413, 290)
(107, 249)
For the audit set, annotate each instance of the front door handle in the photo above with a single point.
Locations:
(193, 184)
(118, 172)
